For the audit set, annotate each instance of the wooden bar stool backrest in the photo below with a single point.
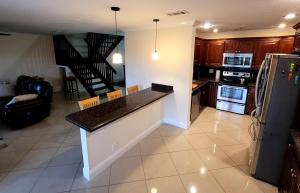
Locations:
(88, 103)
(132, 89)
(114, 95)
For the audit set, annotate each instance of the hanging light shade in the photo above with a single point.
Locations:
(117, 56)
(155, 55)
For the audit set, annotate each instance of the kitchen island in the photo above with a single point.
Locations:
(110, 129)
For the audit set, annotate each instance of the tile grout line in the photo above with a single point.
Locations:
(43, 168)
(78, 168)
(213, 176)
(178, 173)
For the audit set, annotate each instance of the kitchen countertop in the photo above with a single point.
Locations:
(202, 82)
(96, 117)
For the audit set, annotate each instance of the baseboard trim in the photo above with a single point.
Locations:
(176, 123)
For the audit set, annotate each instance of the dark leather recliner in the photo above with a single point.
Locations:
(25, 113)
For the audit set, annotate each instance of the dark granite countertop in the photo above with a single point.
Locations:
(96, 117)
(200, 83)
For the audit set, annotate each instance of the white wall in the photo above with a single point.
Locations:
(31, 55)
(176, 48)
(247, 33)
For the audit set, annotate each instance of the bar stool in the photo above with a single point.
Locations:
(71, 87)
(114, 95)
(132, 89)
(88, 103)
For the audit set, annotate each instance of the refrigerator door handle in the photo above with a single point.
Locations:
(251, 129)
(257, 82)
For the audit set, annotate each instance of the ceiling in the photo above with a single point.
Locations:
(76, 16)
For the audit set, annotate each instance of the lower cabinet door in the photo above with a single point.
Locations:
(212, 96)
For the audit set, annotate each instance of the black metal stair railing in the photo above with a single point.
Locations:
(100, 46)
(95, 66)
(66, 55)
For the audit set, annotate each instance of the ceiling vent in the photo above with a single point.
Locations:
(182, 12)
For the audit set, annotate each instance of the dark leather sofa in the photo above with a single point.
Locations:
(26, 113)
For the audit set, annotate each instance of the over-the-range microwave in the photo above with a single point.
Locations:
(240, 60)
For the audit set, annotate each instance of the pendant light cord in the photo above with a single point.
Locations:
(155, 35)
(116, 23)
(117, 48)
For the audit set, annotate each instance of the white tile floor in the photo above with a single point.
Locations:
(209, 157)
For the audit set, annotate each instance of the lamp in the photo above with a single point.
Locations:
(155, 55)
(117, 57)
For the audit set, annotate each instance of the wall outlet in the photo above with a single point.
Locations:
(114, 146)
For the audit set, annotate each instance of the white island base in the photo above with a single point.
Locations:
(102, 147)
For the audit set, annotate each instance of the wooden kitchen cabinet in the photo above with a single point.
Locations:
(212, 94)
(210, 52)
(204, 96)
(199, 55)
(297, 42)
(239, 46)
(231, 46)
(246, 46)
(286, 45)
(297, 37)
(214, 53)
(250, 103)
(261, 48)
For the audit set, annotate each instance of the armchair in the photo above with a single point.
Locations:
(25, 113)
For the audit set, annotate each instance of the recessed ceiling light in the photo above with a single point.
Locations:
(207, 25)
(290, 16)
(215, 30)
(282, 25)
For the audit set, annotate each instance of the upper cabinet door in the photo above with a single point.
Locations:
(214, 52)
(286, 45)
(262, 47)
(246, 46)
(199, 55)
(197, 52)
(231, 46)
(297, 40)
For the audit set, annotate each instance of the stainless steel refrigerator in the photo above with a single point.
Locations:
(276, 98)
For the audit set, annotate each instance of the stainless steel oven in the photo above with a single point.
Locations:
(240, 60)
(232, 93)
(232, 98)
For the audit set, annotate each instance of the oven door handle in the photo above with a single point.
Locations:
(236, 87)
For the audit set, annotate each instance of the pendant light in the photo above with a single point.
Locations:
(117, 56)
(155, 55)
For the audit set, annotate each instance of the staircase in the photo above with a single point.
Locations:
(85, 55)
